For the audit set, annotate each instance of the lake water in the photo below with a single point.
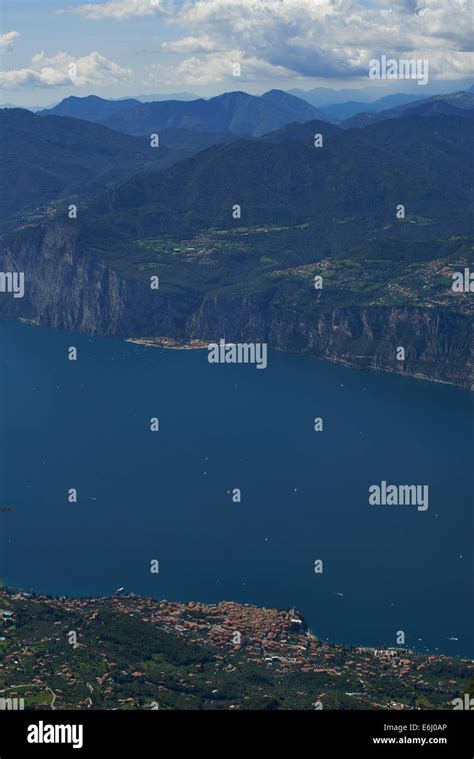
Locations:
(168, 495)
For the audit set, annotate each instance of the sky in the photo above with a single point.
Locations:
(123, 48)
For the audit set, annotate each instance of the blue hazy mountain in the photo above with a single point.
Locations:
(168, 96)
(341, 111)
(47, 158)
(322, 97)
(90, 108)
(438, 104)
(235, 112)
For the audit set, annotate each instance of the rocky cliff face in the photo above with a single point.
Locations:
(67, 287)
(437, 343)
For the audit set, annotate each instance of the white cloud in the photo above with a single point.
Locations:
(6, 41)
(314, 38)
(217, 67)
(15, 80)
(64, 70)
(337, 38)
(189, 45)
(118, 9)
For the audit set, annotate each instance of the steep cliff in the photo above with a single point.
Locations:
(437, 343)
(68, 287)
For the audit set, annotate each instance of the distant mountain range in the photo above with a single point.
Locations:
(321, 97)
(235, 112)
(137, 98)
(52, 155)
(340, 111)
(335, 104)
(90, 108)
(168, 96)
(432, 106)
(32, 108)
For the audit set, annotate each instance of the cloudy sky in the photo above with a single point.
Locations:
(132, 47)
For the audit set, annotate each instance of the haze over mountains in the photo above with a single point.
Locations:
(235, 112)
(323, 97)
(432, 106)
(341, 111)
(337, 103)
(83, 145)
(240, 113)
(90, 108)
(93, 108)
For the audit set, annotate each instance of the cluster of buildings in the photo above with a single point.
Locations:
(238, 633)
(278, 638)
(264, 634)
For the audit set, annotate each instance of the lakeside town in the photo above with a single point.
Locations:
(167, 342)
(126, 651)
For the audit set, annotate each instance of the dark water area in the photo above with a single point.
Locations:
(167, 495)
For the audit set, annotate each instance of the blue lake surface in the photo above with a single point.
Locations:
(167, 495)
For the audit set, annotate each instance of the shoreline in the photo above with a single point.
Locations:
(168, 342)
(197, 344)
(118, 595)
(133, 649)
